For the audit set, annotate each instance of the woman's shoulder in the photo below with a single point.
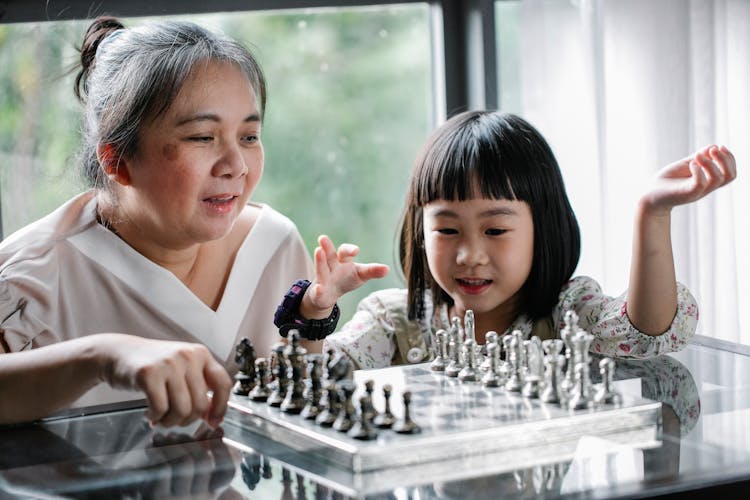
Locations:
(44, 235)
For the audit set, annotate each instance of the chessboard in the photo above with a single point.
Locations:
(457, 420)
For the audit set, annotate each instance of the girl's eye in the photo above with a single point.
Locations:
(495, 232)
(251, 138)
(447, 230)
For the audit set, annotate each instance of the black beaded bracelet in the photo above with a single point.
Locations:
(287, 316)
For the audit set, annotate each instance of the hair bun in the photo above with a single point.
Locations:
(100, 29)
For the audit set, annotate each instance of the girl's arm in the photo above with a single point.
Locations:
(336, 273)
(652, 294)
(175, 377)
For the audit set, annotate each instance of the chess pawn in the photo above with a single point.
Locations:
(468, 373)
(261, 391)
(245, 359)
(369, 389)
(580, 398)
(551, 393)
(330, 411)
(406, 425)
(314, 391)
(440, 362)
(294, 400)
(606, 394)
(490, 378)
(362, 428)
(278, 391)
(345, 418)
(454, 363)
(385, 419)
(489, 338)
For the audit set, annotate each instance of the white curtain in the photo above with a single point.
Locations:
(621, 88)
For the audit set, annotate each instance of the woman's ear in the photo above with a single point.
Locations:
(113, 165)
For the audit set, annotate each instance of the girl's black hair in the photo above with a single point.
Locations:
(508, 159)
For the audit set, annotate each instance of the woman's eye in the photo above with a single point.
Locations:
(495, 232)
(201, 138)
(447, 230)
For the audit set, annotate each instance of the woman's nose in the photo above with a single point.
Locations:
(231, 163)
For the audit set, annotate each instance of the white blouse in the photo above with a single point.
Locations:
(67, 276)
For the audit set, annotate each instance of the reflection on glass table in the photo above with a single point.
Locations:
(701, 445)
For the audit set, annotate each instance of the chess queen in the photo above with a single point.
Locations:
(488, 227)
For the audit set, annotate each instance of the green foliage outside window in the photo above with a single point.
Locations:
(349, 105)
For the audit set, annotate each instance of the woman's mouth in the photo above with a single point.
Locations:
(221, 204)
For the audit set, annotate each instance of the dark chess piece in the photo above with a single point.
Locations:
(279, 388)
(267, 472)
(301, 490)
(386, 419)
(339, 367)
(345, 418)
(369, 388)
(362, 428)
(314, 391)
(244, 356)
(286, 482)
(250, 469)
(294, 400)
(261, 391)
(406, 425)
(330, 411)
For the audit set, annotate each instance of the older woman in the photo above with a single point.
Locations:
(165, 244)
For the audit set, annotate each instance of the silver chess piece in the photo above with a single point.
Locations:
(468, 373)
(454, 362)
(515, 348)
(566, 334)
(606, 393)
(441, 360)
(553, 363)
(533, 378)
(490, 378)
(580, 398)
(489, 338)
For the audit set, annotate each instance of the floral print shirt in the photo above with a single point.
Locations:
(380, 334)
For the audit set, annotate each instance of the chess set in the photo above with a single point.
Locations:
(510, 401)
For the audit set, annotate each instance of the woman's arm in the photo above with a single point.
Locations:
(652, 293)
(174, 376)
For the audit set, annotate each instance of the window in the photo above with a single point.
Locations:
(350, 102)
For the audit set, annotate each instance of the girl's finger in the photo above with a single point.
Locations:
(322, 269)
(347, 252)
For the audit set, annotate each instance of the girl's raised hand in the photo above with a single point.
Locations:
(336, 273)
(690, 179)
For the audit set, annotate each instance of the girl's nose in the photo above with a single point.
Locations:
(471, 253)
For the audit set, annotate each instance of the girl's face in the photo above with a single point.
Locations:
(197, 163)
(480, 252)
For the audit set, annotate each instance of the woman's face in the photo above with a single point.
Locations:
(197, 164)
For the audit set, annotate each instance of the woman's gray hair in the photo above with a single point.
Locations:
(130, 76)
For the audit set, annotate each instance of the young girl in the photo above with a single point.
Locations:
(488, 227)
